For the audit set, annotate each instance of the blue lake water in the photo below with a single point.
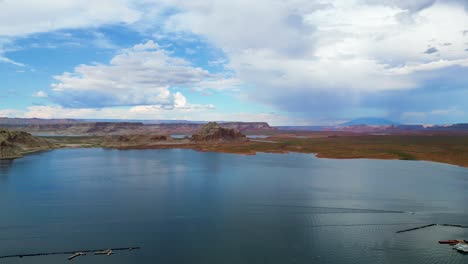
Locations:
(257, 136)
(179, 136)
(183, 206)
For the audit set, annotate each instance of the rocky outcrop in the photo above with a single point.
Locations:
(8, 150)
(15, 144)
(214, 132)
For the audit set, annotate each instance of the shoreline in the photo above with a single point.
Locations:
(439, 149)
(28, 152)
(252, 152)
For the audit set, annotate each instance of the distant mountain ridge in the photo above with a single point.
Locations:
(370, 121)
(35, 121)
(379, 125)
(389, 129)
(80, 127)
(54, 121)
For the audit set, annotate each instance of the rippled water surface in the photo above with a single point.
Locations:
(183, 206)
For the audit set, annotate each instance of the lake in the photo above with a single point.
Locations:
(257, 136)
(179, 136)
(183, 206)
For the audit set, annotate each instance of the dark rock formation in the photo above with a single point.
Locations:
(214, 132)
(15, 144)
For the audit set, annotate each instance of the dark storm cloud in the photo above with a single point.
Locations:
(441, 89)
(431, 50)
(410, 5)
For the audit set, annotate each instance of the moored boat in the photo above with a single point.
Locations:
(463, 248)
(459, 245)
(449, 242)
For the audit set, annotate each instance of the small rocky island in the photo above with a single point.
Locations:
(212, 132)
(13, 144)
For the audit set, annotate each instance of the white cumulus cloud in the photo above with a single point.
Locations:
(19, 18)
(142, 75)
(40, 94)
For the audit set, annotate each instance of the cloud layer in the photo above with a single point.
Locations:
(307, 55)
(141, 75)
(316, 58)
(20, 18)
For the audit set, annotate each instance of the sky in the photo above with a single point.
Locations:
(286, 62)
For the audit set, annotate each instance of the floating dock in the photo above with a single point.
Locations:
(460, 226)
(107, 252)
(415, 228)
(77, 254)
(74, 254)
(421, 227)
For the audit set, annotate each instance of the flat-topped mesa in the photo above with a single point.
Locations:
(248, 126)
(13, 144)
(212, 132)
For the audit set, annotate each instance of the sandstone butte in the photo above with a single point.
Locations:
(212, 132)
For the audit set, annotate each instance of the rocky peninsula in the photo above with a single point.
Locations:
(14, 144)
